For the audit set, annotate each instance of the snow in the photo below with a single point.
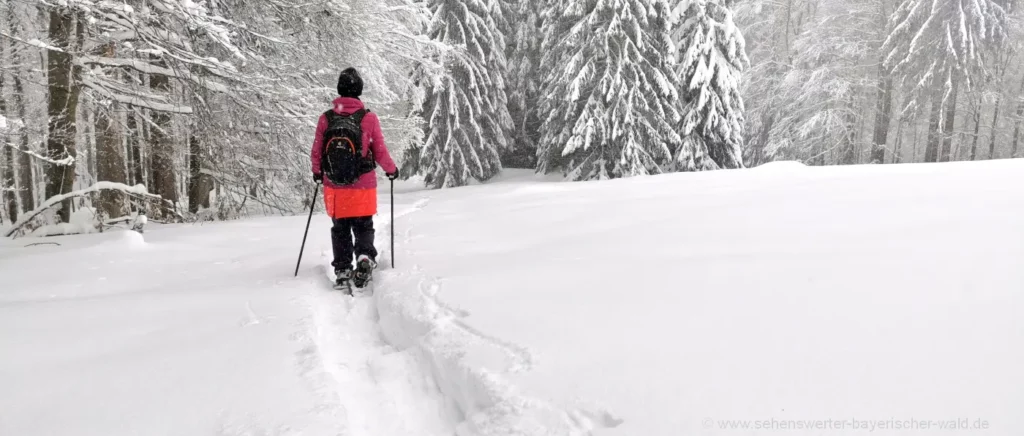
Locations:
(782, 165)
(836, 301)
(198, 330)
(81, 221)
(9, 126)
(817, 299)
(37, 43)
(63, 229)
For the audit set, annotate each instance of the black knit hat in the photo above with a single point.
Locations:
(350, 84)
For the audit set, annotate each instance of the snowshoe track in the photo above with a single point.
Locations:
(376, 389)
(520, 357)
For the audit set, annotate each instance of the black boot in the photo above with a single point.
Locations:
(343, 280)
(364, 271)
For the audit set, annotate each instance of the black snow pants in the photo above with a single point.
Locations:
(341, 240)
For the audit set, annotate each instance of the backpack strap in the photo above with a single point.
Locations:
(360, 114)
(323, 141)
(328, 114)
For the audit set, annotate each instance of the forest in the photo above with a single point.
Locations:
(114, 112)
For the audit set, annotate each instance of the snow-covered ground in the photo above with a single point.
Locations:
(809, 301)
(198, 330)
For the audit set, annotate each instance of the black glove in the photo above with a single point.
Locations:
(318, 177)
(394, 175)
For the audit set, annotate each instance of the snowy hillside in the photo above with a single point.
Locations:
(839, 300)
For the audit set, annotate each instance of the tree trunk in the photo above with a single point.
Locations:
(995, 123)
(848, 150)
(146, 148)
(87, 148)
(848, 155)
(897, 157)
(759, 141)
(1016, 134)
(977, 130)
(949, 118)
(818, 157)
(62, 105)
(10, 202)
(917, 136)
(10, 198)
(26, 187)
(110, 166)
(110, 162)
(133, 138)
(764, 137)
(198, 183)
(162, 152)
(1016, 131)
(883, 116)
(931, 151)
(1015, 145)
(862, 121)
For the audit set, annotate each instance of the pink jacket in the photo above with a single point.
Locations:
(372, 136)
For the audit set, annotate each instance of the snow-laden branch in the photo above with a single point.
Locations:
(32, 42)
(137, 100)
(148, 68)
(137, 190)
(62, 162)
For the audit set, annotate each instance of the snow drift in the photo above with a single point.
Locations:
(469, 366)
(808, 300)
(818, 301)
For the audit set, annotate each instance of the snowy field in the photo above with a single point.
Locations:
(776, 300)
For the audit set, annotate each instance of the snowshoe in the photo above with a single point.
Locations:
(343, 280)
(364, 271)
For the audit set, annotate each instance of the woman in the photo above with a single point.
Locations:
(351, 207)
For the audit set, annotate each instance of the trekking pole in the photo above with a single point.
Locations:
(312, 204)
(392, 223)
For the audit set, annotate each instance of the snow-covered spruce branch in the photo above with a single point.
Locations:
(70, 160)
(138, 190)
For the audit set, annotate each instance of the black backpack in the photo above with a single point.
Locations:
(341, 158)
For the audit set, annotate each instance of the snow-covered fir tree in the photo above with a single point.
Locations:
(523, 53)
(711, 56)
(937, 46)
(465, 109)
(817, 111)
(610, 103)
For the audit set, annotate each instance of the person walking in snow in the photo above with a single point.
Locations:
(347, 148)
